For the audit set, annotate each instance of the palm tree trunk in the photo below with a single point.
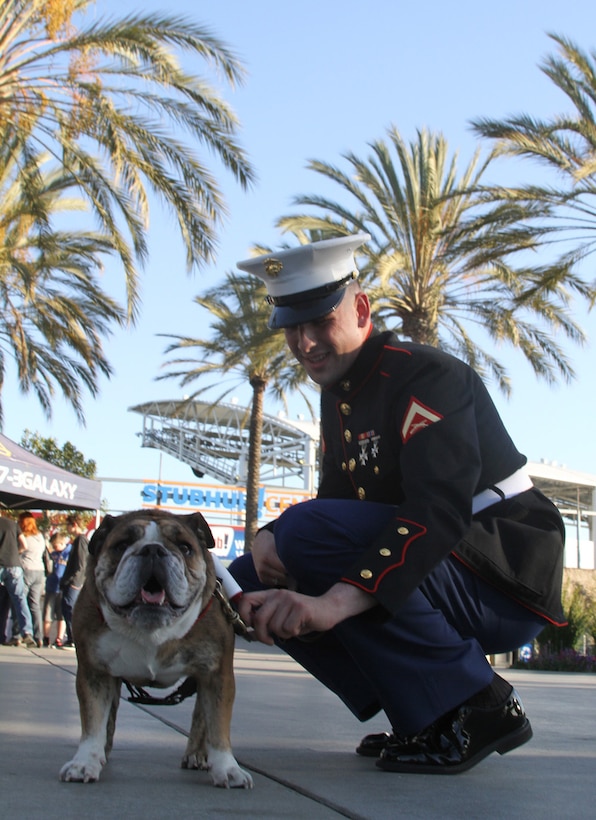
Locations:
(254, 461)
(421, 326)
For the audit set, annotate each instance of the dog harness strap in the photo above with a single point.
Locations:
(137, 694)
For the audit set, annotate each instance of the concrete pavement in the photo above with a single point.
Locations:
(298, 742)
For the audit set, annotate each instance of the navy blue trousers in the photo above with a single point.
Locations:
(421, 663)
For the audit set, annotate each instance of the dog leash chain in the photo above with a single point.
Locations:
(240, 627)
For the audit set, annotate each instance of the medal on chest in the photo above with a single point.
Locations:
(368, 447)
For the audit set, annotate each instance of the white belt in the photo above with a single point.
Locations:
(517, 482)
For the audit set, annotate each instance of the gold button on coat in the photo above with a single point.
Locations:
(361, 493)
(345, 408)
(366, 574)
(348, 435)
(352, 465)
(384, 552)
(346, 385)
(403, 530)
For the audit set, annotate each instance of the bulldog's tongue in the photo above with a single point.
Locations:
(153, 597)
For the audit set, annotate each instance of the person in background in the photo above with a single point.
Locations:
(11, 578)
(74, 572)
(32, 546)
(59, 552)
(427, 547)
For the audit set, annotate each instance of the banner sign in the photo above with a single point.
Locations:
(229, 541)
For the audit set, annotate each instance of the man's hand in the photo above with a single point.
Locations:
(269, 568)
(286, 614)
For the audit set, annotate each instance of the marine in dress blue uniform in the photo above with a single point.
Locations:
(424, 505)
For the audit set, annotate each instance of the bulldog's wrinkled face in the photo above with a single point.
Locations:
(150, 572)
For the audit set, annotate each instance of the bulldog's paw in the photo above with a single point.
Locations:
(194, 760)
(81, 771)
(226, 773)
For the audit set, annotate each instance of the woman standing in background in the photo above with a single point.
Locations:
(32, 546)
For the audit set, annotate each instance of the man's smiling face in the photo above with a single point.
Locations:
(327, 347)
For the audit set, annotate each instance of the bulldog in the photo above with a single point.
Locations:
(147, 614)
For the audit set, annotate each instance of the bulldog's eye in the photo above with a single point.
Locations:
(185, 548)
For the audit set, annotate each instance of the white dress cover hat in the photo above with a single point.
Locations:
(309, 281)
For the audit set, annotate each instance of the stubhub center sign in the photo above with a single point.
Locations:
(222, 506)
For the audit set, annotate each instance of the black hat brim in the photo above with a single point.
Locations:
(303, 312)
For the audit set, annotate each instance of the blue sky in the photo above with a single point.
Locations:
(326, 77)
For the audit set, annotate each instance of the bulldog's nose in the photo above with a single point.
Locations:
(153, 550)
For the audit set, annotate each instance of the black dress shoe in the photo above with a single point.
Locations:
(373, 745)
(460, 739)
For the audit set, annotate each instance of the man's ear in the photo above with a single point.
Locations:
(362, 309)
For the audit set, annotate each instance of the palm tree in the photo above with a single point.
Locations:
(243, 346)
(111, 103)
(53, 312)
(440, 254)
(566, 144)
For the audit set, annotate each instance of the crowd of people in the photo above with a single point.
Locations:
(40, 581)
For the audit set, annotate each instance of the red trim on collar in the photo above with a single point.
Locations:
(204, 612)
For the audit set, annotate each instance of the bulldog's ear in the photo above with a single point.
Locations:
(100, 533)
(198, 524)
